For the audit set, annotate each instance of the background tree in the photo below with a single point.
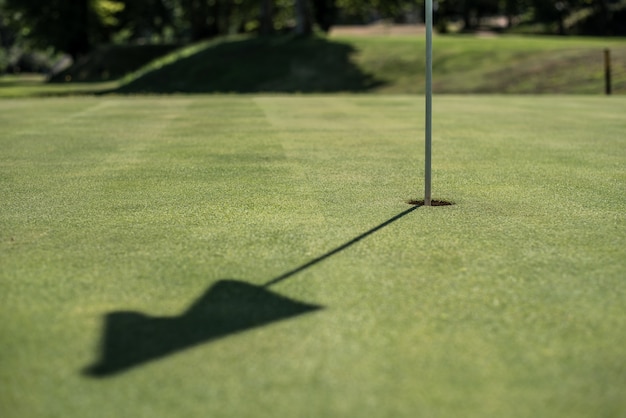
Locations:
(470, 11)
(266, 17)
(69, 26)
(325, 13)
(551, 11)
(148, 19)
(513, 8)
(76, 26)
(304, 23)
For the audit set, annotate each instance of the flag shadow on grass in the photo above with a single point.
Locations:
(227, 307)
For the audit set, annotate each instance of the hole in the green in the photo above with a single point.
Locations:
(432, 202)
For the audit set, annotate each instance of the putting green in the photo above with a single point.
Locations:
(136, 234)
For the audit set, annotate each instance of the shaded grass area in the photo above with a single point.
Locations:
(508, 303)
(112, 62)
(275, 64)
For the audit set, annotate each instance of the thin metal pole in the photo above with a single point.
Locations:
(429, 100)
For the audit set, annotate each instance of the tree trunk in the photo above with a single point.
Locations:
(79, 39)
(267, 17)
(511, 10)
(304, 26)
(467, 16)
(197, 13)
(324, 12)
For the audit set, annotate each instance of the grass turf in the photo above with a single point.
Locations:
(509, 303)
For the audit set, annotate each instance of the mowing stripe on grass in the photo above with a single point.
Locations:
(509, 303)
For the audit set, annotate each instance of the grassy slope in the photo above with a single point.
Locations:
(394, 64)
(465, 64)
(510, 303)
(462, 64)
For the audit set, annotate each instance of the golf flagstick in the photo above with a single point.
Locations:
(429, 101)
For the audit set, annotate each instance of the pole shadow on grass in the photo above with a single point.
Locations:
(131, 339)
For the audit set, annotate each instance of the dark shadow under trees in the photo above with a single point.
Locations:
(276, 64)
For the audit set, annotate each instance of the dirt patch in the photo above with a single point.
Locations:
(380, 29)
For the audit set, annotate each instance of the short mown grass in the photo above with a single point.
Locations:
(511, 302)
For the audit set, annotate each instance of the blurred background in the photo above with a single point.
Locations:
(100, 40)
